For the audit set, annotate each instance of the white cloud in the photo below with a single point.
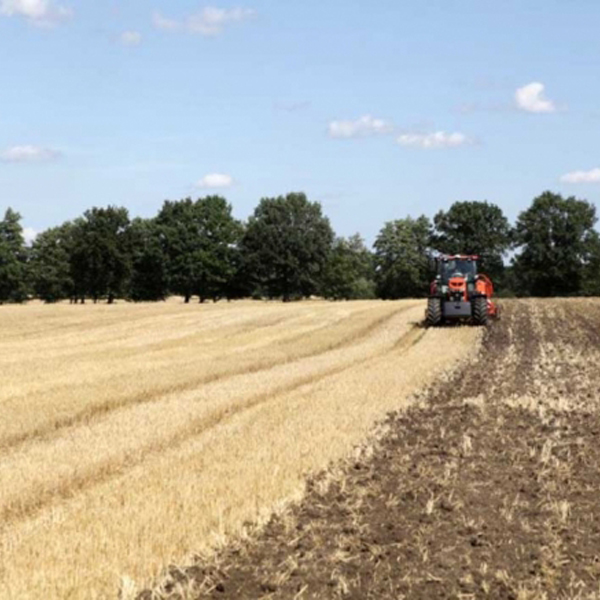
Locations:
(29, 234)
(216, 180)
(210, 21)
(439, 139)
(531, 99)
(362, 127)
(131, 38)
(164, 23)
(44, 13)
(29, 154)
(592, 176)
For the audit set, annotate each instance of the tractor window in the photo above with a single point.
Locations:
(458, 268)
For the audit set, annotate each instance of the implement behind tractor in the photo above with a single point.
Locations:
(459, 292)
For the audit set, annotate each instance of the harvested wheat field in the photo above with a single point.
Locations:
(488, 486)
(138, 436)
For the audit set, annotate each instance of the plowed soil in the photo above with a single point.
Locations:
(488, 487)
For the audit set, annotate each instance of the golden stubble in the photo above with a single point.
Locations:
(135, 436)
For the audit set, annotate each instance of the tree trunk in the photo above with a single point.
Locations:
(187, 298)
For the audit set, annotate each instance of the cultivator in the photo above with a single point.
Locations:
(460, 293)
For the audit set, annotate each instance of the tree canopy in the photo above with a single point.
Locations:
(474, 228)
(200, 240)
(51, 271)
(349, 271)
(559, 247)
(149, 278)
(13, 259)
(286, 246)
(287, 250)
(403, 258)
(100, 255)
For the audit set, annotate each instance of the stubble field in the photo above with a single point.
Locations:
(487, 486)
(134, 437)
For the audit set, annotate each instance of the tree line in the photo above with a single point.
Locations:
(288, 250)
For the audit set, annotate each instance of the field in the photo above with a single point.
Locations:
(138, 436)
(485, 487)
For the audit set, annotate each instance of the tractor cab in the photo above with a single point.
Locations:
(460, 292)
(451, 267)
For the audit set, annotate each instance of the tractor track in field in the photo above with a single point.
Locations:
(96, 411)
(39, 498)
(487, 487)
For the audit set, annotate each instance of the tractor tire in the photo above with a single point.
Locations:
(480, 311)
(434, 312)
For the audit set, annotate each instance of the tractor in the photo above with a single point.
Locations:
(460, 293)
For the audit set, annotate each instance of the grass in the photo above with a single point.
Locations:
(134, 436)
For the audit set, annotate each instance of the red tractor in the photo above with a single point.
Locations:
(459, 292)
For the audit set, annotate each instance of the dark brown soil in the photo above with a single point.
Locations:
(472, 493)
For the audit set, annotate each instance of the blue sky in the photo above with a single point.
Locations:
(377, 109)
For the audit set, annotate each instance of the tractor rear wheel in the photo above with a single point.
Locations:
(480, 311)
(434, 312)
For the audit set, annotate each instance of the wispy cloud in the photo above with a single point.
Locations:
(161, 22)
(210, 21)
(362, 127)
(130, 38)
(215, 180)
(592, 176)
(24, 154)
(531, 98)
(43, 13)
(438, 139)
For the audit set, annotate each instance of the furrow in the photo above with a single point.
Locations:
(90, 413)
(28, 504)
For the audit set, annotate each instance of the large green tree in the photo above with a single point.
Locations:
(201, 243)
(13, 259)
(403, 258)
(474, 228)
(219, 237)
(51, 264)
(149, 280)
(349, 271)
(559, 247)
(178, 233)
(286, 245)
(101, 253)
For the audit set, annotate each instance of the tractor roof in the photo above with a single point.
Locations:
(459, 257)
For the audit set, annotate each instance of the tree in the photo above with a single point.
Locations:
(148, 262)
(219, 235)
(560, 249)
(13, 259)
(100, 256)
(349, 271)
(200, 241)
(50, 264)
(177, 231)
(286, 245)
(402, 258)
(239, 284)
(474, 228)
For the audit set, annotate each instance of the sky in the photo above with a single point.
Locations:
(378, 110)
